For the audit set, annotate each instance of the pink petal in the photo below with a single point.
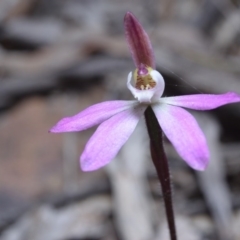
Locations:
(91, 116)
(109, 137)
(184, 133)
(202, 101)
(138, 41)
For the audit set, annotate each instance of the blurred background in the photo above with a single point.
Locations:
(58, 57)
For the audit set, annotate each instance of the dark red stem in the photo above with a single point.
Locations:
(161, 164)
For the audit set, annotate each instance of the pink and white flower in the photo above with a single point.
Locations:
(118, 119)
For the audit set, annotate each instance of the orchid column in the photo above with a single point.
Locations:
(118, 119)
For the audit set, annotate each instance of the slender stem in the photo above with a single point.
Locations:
(161, 164)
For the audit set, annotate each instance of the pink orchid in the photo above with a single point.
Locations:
(118, 119)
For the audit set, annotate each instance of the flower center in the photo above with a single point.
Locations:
(143, 79)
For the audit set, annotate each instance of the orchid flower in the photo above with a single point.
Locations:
(118, 119)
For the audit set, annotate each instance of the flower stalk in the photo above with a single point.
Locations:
(161, 164)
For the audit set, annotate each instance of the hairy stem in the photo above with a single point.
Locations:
(161, 164)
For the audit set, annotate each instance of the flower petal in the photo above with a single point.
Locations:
(91, 116)
(184, 133)
(202, 101)
(149, 95)
(109, 137)
(138, 41)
